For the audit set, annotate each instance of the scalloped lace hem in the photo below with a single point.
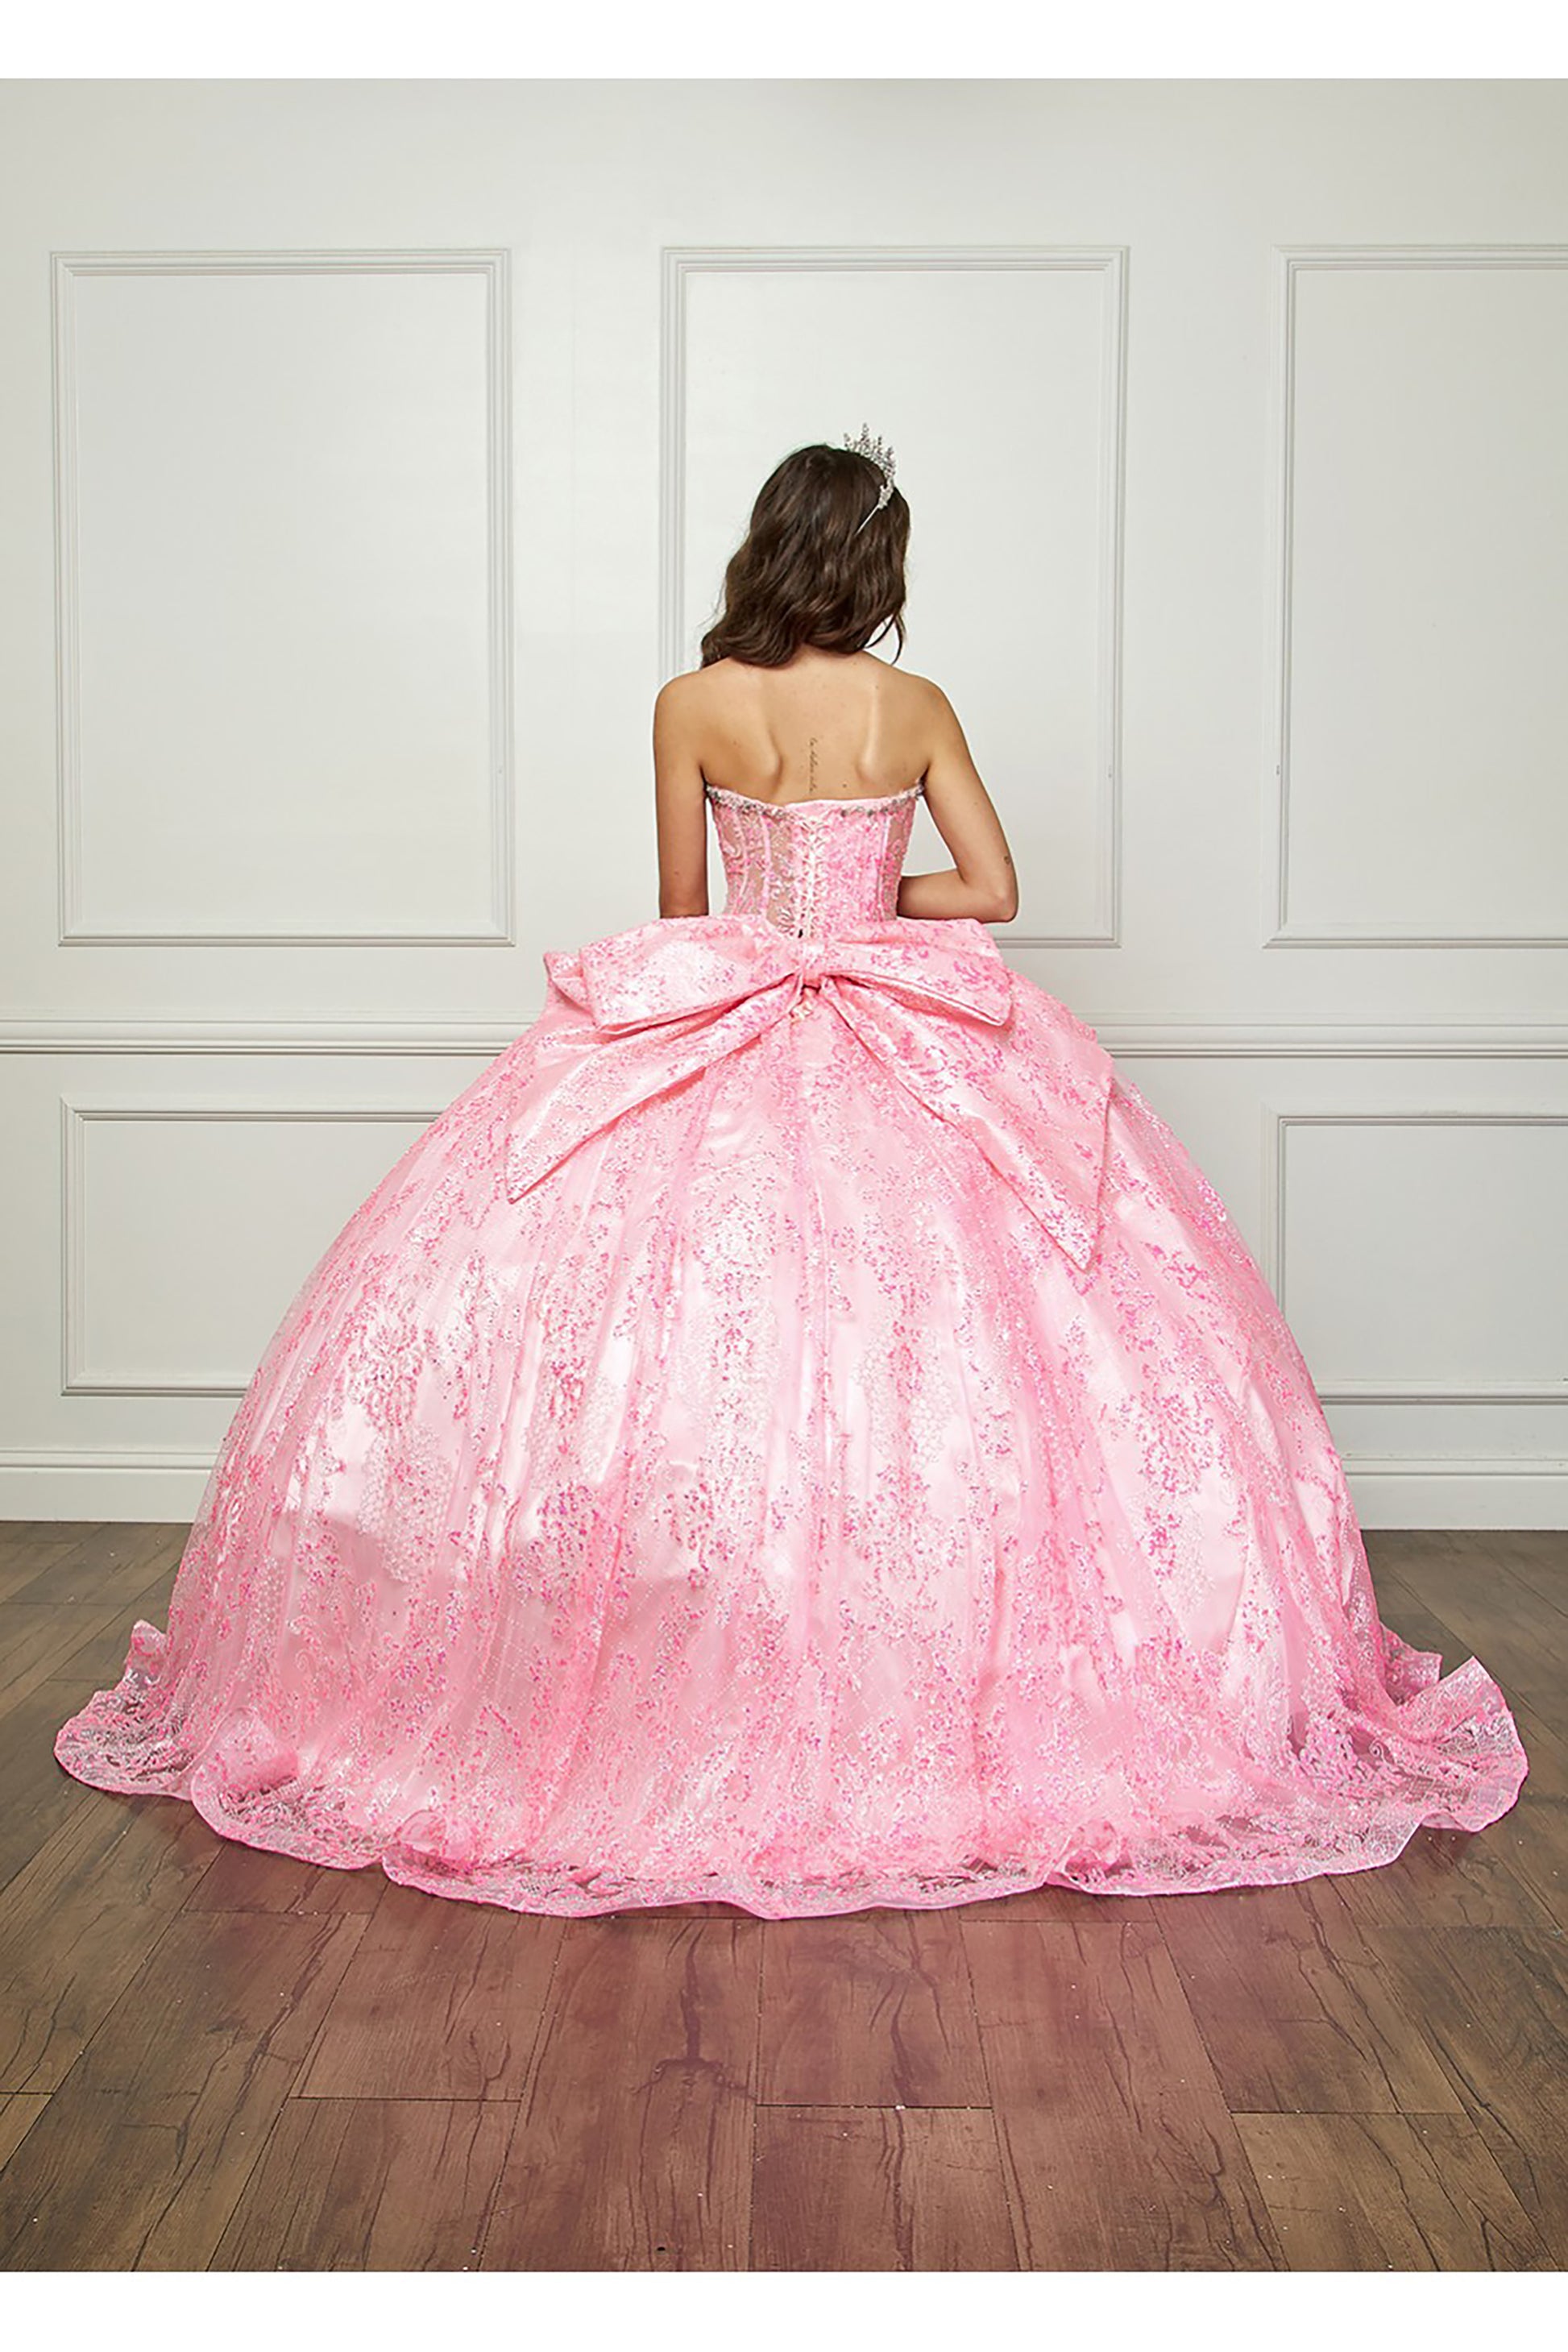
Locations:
(1230, 1855)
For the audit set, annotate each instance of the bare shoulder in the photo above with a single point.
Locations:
(925, 702)
(693, 698)
(680, 713)
(682, 691)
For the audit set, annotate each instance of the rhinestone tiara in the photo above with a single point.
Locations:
(866, 445)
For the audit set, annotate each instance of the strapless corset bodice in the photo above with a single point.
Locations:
(810, 868)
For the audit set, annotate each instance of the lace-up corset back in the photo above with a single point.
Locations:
(811, 867)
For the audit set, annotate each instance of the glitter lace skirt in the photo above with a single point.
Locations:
(850, 1460)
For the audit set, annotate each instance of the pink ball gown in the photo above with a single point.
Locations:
(798, 1431)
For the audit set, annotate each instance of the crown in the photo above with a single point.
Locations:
(867, 444)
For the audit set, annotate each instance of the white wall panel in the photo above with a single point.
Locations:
(1424, 692)
(283, 494)
(1408, 1253)
(186, 1229)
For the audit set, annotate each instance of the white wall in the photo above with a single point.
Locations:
(369, 453)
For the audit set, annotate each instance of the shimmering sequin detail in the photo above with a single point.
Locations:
(797, 1430)
(809, 866)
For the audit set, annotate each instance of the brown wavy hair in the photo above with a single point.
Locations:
(806, 573)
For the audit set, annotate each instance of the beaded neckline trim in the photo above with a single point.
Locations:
(776, 808)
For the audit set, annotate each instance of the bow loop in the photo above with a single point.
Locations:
(665, 970)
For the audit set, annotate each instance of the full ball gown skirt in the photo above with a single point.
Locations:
(797, 1430)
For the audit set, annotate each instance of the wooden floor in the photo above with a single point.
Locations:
(219, 2058)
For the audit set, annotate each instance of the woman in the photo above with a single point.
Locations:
(798, 1431)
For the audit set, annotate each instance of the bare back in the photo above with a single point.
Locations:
(824, 727)
(838, 727)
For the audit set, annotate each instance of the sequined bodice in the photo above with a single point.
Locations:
(810, 868)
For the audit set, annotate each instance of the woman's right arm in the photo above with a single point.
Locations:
(981, 882)
(681, 815)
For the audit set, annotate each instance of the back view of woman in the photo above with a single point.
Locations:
(798, 1431)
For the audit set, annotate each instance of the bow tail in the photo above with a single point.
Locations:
(583, 1077)
(1034, 1098)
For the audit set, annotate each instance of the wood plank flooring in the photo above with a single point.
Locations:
(216, 2058)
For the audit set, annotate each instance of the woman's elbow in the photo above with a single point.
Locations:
(1002, 903)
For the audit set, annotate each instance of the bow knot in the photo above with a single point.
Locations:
(811, 960)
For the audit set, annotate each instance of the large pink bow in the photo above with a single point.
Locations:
(986, 1051)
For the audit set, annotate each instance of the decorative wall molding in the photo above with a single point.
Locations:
(1510, 1467)
(195, 1459)
(76, 1379)
(474, 1034)
(480, 1033)
(1290, 262)
(1338, 1041)
(1277, 1124)
(494, 267)
(681, 263)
